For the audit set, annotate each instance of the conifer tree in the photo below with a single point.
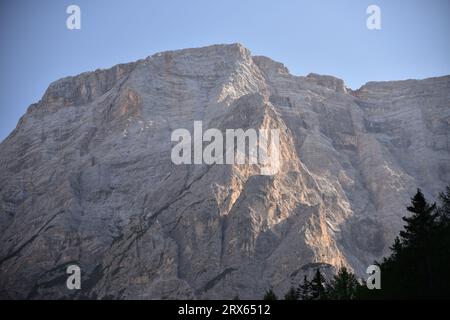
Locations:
(343, 286)
(419, 224)
(419, 264)
(291, 294)
(318, 285)
(270, 295)
(441, 245)
(304, 290)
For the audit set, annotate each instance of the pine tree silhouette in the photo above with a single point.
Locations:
(270, 295)
(343, 286)
(317, 287)
(418, 267)
(291, 294)
(441, 246)
(304, 290)
(412, 261)
(420, 224)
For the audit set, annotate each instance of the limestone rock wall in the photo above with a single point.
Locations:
(86, 178)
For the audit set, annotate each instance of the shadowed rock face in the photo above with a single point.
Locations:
(86, 178)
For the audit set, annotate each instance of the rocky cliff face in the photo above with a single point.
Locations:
(86, 178)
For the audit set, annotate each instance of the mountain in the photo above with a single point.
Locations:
(87, 178)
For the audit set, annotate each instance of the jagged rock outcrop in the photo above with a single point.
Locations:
(86, 178)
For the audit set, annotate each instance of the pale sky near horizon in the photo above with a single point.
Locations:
(321, 36)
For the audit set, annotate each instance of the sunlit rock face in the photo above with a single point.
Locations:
(86, 178)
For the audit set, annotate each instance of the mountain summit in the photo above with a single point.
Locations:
(87, 179)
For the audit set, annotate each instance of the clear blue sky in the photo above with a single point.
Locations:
(328, 37)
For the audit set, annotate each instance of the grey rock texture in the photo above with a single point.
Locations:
(86, 178)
